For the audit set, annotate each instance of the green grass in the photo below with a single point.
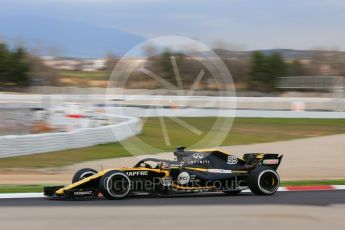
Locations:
(244, 131)
(92, 75)
(20, 188)
(39, 188)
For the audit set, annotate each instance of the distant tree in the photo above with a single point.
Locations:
(238, 68)
(187, 67)
(276, 67)
(20, 68)
(264, 70)
(258, 71)
(296, 68)
(162, 65)
(317, 59)
(14, 70)
(166, 66)
(41, 74)
(110, 63)
(149, 50)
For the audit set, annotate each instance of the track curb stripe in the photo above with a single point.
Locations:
(309, 188)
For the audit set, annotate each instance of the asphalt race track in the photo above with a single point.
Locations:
(314, 198)
(285, 210)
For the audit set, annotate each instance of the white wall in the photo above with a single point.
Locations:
(16, 145)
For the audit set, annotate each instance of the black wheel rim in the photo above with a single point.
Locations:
(118, 185)
(269, 182)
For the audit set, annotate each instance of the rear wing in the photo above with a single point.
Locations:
(272, 160)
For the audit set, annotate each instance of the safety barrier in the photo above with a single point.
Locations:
(241, 103)
(17, 145)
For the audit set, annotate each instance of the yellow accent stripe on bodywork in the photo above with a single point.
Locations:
(197, 169)
(87, 179)
(259, 156)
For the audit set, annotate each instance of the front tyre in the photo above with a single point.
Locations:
(114, 185)
(82, 174)
(263, 181)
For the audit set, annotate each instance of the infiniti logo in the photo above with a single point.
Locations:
(198, 155)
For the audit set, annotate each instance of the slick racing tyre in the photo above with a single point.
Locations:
(114, 185)
(82, 174)
(263, 181)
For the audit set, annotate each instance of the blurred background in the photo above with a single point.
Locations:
(59, 106)
(63, 107)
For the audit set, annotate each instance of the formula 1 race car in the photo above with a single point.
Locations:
(191, 171)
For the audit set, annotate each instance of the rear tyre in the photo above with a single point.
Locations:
(263, 181)
(82, 174)
(114, 185)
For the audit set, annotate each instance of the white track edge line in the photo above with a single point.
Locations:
(21, 195)
(338, 187)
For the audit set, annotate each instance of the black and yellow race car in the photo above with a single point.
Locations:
(191, 171)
